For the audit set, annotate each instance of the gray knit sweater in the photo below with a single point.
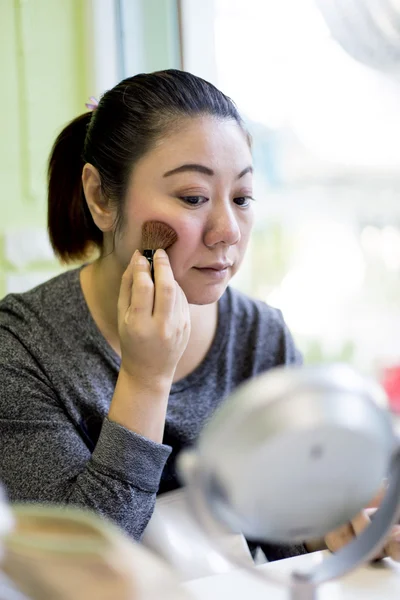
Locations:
(57, 377)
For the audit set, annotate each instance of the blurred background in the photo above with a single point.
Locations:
(326, 130)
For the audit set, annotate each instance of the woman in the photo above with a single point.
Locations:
(105, 375)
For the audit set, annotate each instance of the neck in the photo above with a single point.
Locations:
(100, 283)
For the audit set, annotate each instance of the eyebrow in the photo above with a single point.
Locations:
(202, 169)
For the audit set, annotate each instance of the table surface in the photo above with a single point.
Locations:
(372, 582)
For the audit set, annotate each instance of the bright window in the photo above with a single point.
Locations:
(326, 247)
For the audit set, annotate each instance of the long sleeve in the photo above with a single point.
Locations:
(45, 458)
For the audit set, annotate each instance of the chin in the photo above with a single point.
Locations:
(204, 288)
(206, 295)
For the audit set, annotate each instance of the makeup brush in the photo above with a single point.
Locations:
(155, 235)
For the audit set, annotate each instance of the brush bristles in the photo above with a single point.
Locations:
(157, 235)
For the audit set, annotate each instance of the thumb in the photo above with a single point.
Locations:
(392, 546)
(125, 290)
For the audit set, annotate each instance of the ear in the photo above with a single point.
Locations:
(99, 205)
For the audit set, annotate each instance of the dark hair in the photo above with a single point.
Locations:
(128, 121)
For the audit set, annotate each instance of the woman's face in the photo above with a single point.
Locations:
(198, 181)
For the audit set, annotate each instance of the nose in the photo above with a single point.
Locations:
(222, 226)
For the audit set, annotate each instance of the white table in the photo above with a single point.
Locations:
(375, 582)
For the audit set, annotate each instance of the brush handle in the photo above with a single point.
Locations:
(149, 254)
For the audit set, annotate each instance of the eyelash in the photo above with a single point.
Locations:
(187, 200)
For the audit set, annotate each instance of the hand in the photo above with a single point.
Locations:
(344, 534)
(153, 321)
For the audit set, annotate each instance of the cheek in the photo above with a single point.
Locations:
(245, 230)
(189, 238)
(127, 240)
(130, 236)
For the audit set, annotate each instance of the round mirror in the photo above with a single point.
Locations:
(295, 453)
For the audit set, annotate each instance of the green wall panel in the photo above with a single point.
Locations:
(44, 84)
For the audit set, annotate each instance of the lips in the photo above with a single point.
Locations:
(216, 266)
(214, 272)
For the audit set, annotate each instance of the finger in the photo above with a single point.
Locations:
(340, 537)
(360, 522)
(179, 308)
(125, 290)
(142, 294)
(182, 310)
(165, 286)
(392, 546)
(377, 499)
(185, 311)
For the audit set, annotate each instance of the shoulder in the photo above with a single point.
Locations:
(261, 328)
(250, 312)
(35, 323)
(36, 328)
(53, 298)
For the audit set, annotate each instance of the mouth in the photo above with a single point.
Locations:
(216, 271)
(216, 267)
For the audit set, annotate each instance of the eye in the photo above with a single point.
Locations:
(243, 201)
(194, 200)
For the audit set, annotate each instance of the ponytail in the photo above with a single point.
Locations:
(72, 231)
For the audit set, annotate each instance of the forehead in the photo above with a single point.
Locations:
(217, 143)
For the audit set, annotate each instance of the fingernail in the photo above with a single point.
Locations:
(140, 260)
(160, 253)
